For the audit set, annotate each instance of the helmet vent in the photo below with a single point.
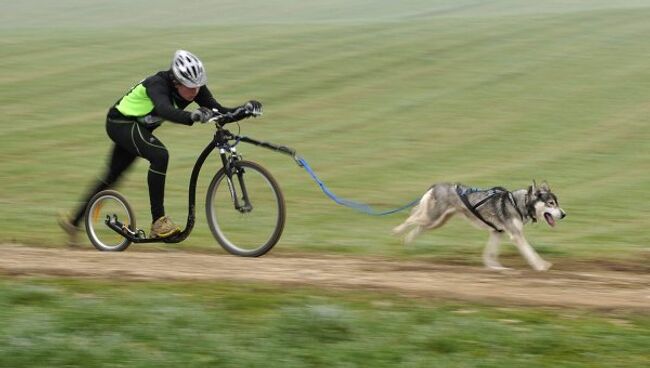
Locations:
(188, 69)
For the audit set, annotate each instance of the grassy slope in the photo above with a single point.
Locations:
(382, 100)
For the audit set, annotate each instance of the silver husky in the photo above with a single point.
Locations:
(497, 210)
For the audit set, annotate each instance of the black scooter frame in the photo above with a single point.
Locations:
(228, 157)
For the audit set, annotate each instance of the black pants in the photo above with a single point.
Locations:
(132, 140)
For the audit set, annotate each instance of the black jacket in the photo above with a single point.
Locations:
(156, 99)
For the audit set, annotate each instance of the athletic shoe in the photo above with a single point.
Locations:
(163, 227)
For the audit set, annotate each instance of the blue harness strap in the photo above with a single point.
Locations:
(361, 207)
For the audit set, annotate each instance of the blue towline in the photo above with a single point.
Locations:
(361, 207)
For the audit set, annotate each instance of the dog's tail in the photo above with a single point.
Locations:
(414, 224)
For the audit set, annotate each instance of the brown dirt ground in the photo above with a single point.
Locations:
(593, 287)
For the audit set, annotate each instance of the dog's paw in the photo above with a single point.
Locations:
(492, 263)
(543, 266)
(497, 267)
(398, 230)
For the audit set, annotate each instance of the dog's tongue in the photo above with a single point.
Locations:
(549, 218)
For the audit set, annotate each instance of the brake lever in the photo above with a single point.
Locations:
(219, 118)
(214, 119)
(224, 118)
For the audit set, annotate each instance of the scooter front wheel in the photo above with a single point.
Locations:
(103, 204)
(246, 212)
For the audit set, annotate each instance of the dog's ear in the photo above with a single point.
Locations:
(532, 190)
(536, 190)
(545, 187)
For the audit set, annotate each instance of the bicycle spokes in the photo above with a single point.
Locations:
(245, 211)
(102, 207)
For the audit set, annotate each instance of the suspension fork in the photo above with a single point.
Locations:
(227, 161)
(247, 207)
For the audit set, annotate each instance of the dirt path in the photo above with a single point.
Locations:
(598, 289)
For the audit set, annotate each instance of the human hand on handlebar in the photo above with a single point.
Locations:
(253, 107)
(202, 114)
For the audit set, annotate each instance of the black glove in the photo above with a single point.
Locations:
(202, 114)
(253, 107)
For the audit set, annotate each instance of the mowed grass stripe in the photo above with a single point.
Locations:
(391, 81)
(333, 125)
(68, 86)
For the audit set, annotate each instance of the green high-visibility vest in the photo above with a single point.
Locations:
(136, 102)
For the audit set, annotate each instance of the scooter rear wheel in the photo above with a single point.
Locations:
(103, 204)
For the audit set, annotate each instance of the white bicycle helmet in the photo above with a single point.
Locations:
(188, 69)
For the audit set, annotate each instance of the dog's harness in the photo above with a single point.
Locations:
(463, 192)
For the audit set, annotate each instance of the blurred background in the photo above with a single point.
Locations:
(383, 98)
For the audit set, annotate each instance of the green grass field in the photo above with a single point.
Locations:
(106, 324)
(383, 98)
